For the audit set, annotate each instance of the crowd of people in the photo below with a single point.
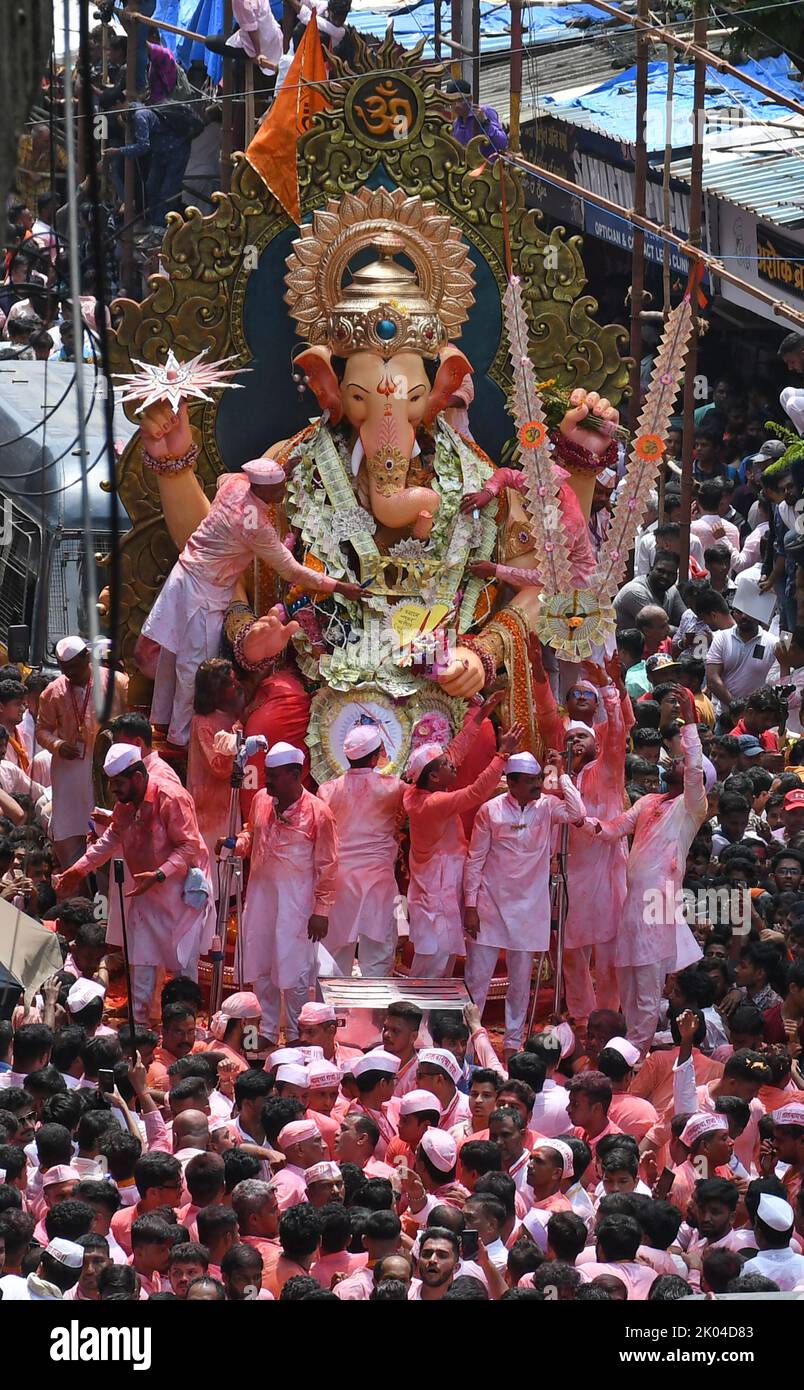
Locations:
(648, 1144)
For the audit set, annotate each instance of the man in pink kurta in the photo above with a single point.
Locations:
(291, 842)
(653, 938)
(67, 726)
(593, 916)
(367, 807)
(170, 910)
(438, 842)
(187, 619)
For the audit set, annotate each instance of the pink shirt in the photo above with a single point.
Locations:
(341, 1262)
(638, 1278)
(237, 530)
(367, 807)
(209, 774)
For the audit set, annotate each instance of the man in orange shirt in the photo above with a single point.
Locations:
(633, 1115)
(257, 1210)
(158, 1179)
(178, 1040)
(418, 1112)
(588, 1110)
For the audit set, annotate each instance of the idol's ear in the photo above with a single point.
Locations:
(451, 372)
(316, 364)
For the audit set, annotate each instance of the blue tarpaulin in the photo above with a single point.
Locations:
(611, 107)
(541, 24)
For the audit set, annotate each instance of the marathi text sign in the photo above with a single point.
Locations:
(780, 262)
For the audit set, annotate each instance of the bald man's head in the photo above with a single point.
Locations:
(190, 1130)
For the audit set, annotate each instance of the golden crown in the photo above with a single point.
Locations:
(384, 307)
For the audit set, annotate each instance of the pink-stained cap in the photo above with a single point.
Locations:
(794, 799)
(313, 1013)
(414, 1102)
(626, 1049)
(264, 472)
(284, 755)
(365, 739)
(792, 1114)
(322, 1075)
(378, 1060)
(120, 757)
(563, 1150)
(440, 1148)
(703, 1122)
(322, 1172)
(70, 647)
(312, 1053)
(297, 1132)
(293, 1074)
(60, 1172)
(440, 1057)
(418, 761)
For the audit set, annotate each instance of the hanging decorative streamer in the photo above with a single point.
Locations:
(542, 483)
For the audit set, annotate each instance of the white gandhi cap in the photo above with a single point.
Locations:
(283, 755)
(120, 757)
(264, 472)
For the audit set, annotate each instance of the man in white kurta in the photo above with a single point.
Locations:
(291, 841)
(653, 938)
(187, 619)
(506, 885)
(596, 872)
(367, 807)
(170, 911)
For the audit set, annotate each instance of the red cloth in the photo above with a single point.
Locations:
(280, 710)
(768, 739)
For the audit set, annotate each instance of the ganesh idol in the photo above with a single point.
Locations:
(387, 497)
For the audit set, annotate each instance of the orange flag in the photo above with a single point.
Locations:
(272, 152)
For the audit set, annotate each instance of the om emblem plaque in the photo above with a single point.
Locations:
(384, 109)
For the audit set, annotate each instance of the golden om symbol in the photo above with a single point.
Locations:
(385, 111)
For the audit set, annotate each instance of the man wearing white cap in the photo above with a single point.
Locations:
(170, 912)
(439, 1071)
(788, 1137)
(367, 807)
(67, 726)
(743, 1075)
(291, 841)
(653, 939)
(302, 1145)
(774, 1226)
(506, 885)
(598, 770)
(375, 1077)
(187, 619)
(58, 1270)
(438, 840)
(318, 1027)
(631, 1114)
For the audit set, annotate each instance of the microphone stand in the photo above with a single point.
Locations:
(119, 878)
(559, 904)
(230, 870)
(562, 893)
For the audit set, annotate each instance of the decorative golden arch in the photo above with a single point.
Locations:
(386, 119)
